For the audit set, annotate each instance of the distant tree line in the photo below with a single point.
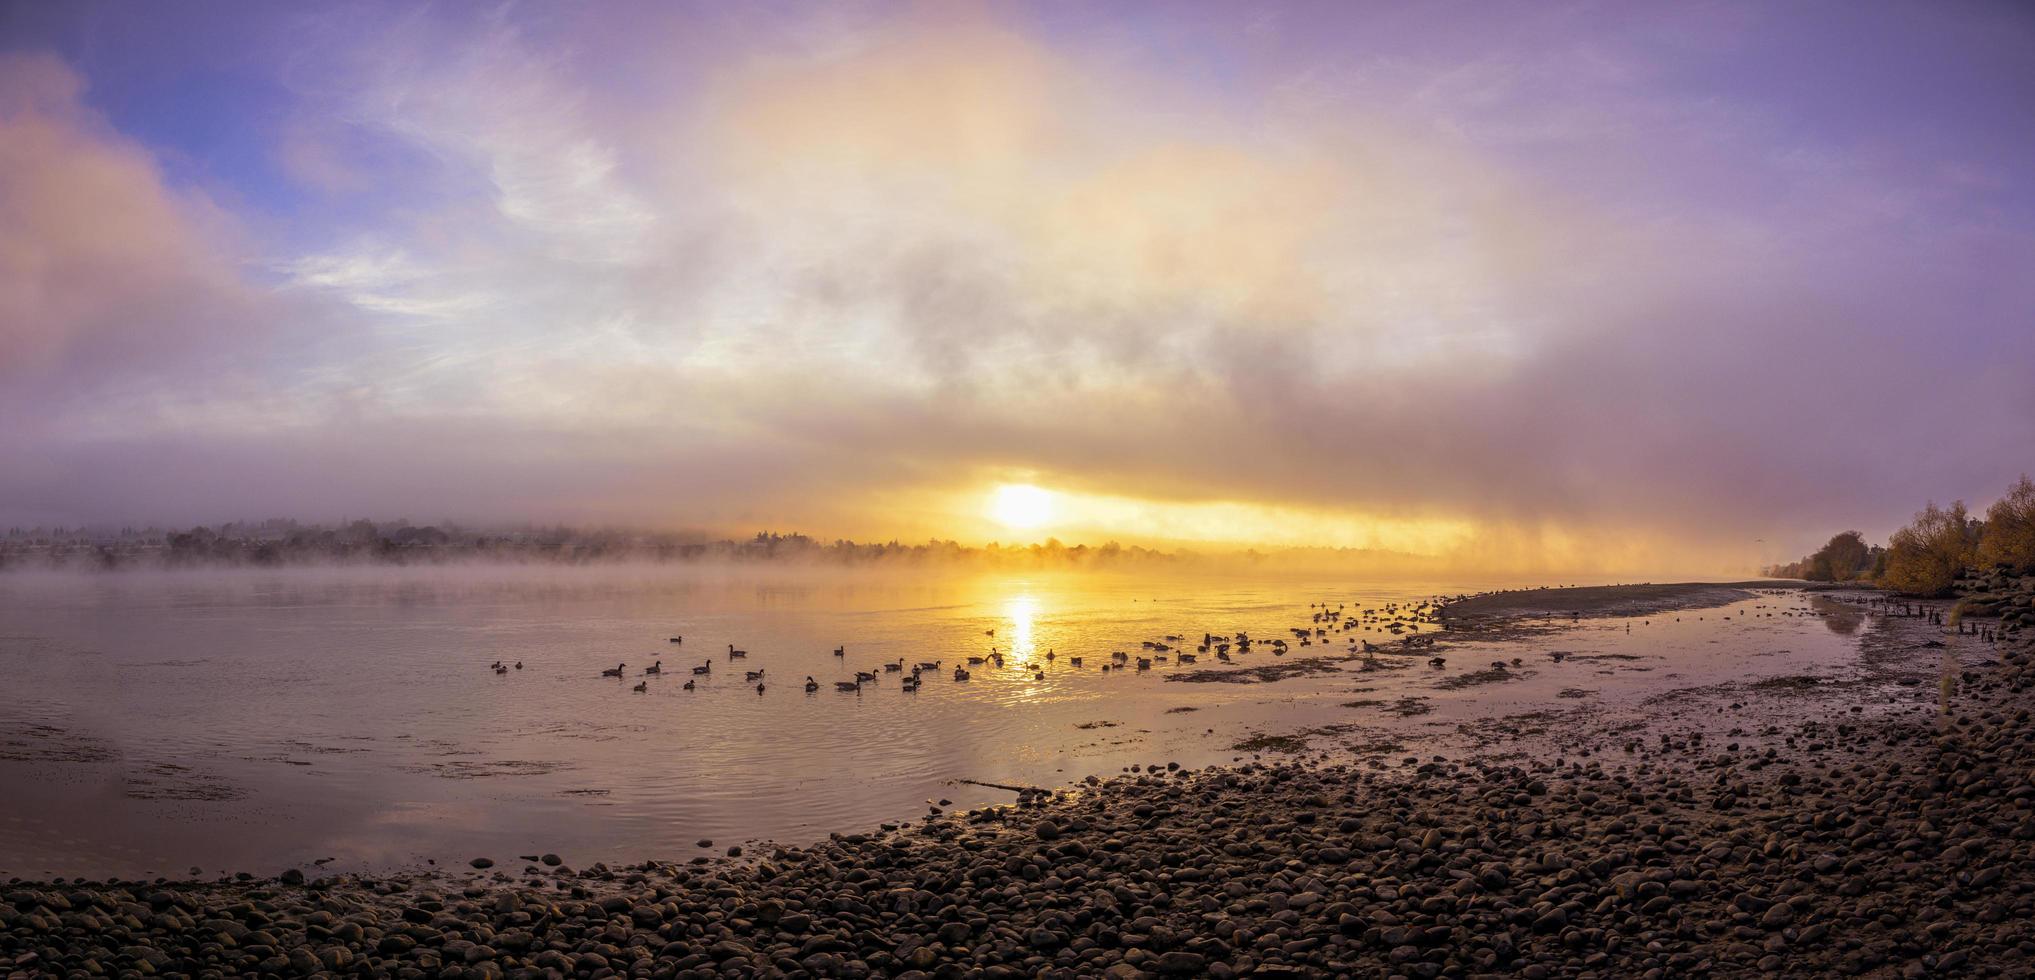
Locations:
(1941, 545)
(282, 543)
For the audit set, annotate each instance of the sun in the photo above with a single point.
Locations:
(1021, 506)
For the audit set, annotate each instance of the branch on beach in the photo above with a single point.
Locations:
(1020, 790)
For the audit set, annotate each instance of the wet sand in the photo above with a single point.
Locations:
(1806, 826)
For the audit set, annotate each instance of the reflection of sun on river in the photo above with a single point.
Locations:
(1020, 609)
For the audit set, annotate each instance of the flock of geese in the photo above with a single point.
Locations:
(1327, 625)
(1410, 626)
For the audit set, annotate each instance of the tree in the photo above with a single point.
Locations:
(1925, 557)
(2009, 537)
(1841, 559)
(1844, 558)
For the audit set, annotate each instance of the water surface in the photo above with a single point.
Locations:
(156, 723)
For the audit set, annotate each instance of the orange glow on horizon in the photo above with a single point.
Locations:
(1074, 516)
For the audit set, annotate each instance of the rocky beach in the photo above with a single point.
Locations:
(1783, 828)
(1032, 489)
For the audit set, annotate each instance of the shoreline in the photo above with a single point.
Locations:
(1785, 846)
(1587, 601)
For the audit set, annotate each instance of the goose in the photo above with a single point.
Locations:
(501, 670)
(840, 651)
(519, 665)
(759, 687)
(704, 668)
(934, 665)
(1144, 664)
(754, 675)
(1038, 675)
(960, 673)
(855, 686)
(811, 685)
(641, 686)
(678, 639)
(1049, 653)
(863, 675)
(1075, 661)
(975, 661)
(688, 685)
(1437, 661)
(734, 654)
(894, 668)
(988, 632)
(656, 668)
(910, 684)
(1187, 658)
(616, 672)
(497, 665)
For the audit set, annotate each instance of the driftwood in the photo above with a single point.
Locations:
(1014, 789)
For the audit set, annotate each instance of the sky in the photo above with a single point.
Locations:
(1541, 286)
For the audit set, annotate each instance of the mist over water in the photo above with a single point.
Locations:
(251, 720)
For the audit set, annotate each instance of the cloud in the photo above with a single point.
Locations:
(981, 192)
(1584, 296)
(105, 272)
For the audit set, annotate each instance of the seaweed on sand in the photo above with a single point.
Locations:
(1272, 743)
(1264, 673)
(1489, 675)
